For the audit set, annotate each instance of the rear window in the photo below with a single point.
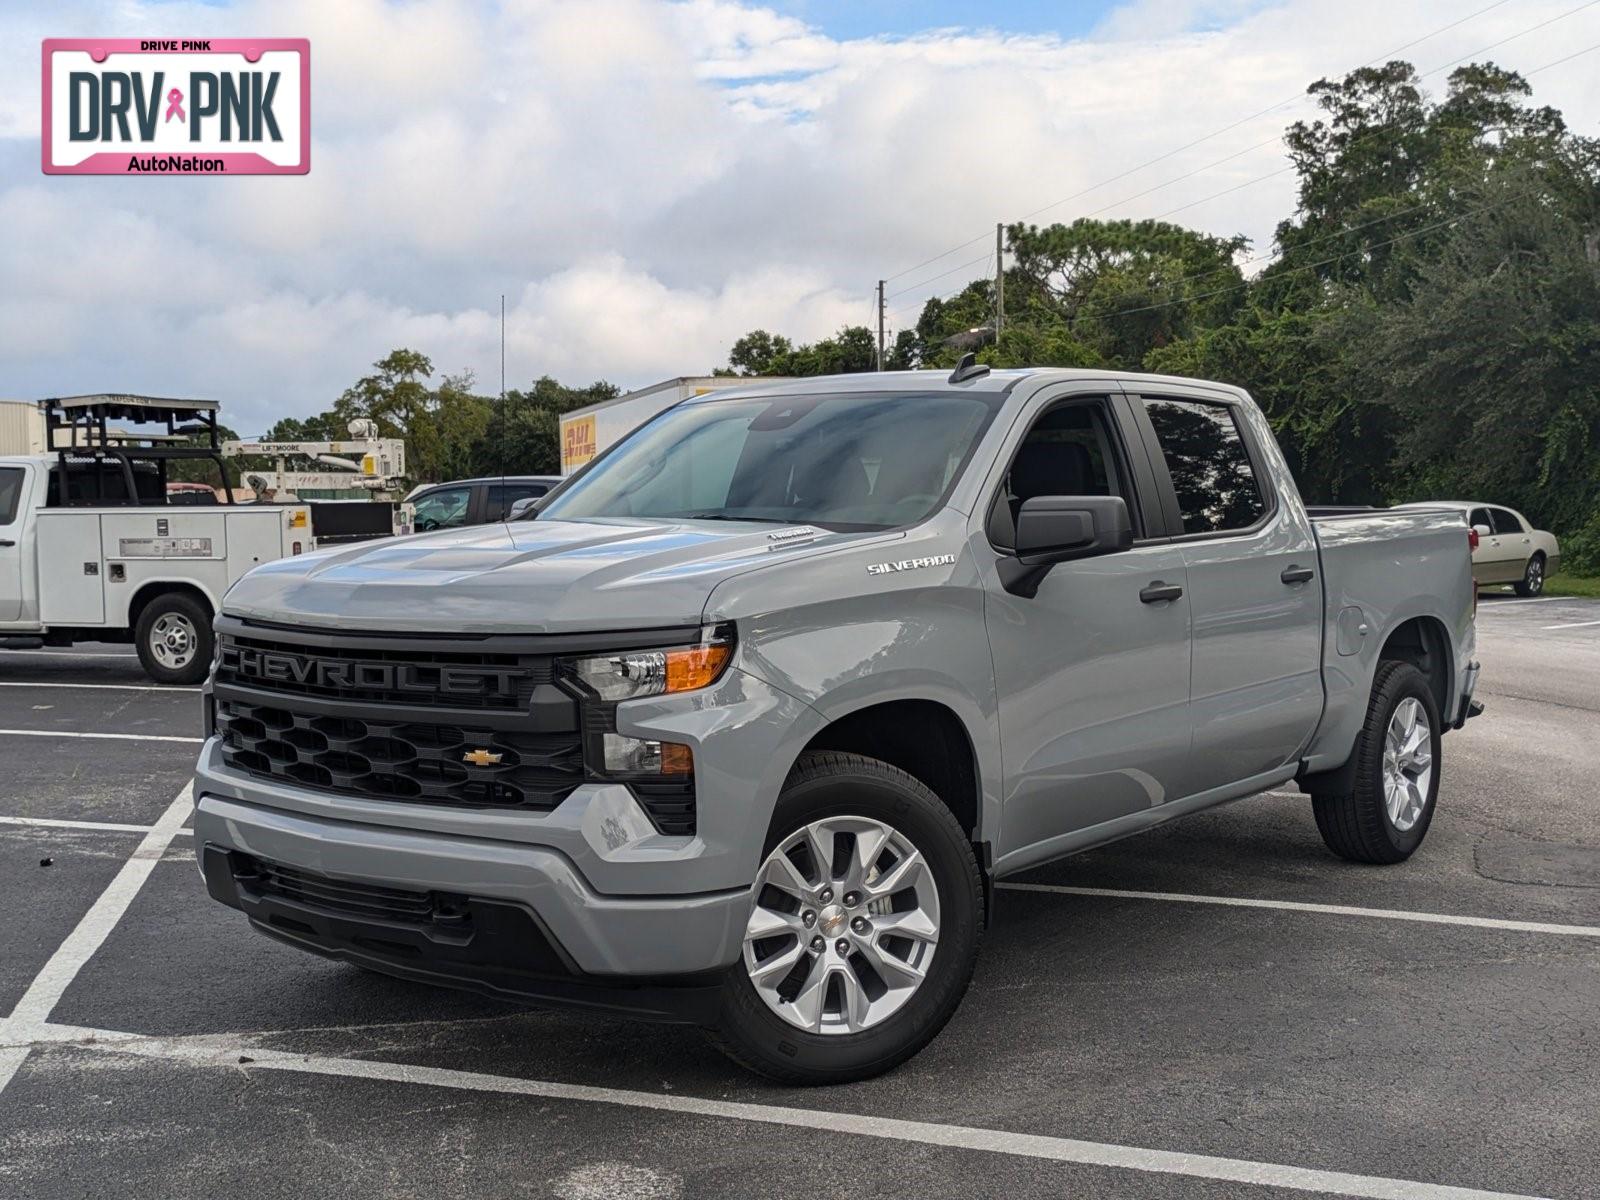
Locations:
(1504, 521)
(1210, 467)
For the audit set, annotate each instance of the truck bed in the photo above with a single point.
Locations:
(1380, 568)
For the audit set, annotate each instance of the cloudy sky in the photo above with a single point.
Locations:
(644, 181)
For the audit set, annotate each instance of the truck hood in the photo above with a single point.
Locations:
(524, 577)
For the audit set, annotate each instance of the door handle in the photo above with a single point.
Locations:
(1294, 574)
(6, 542)
(1159, 591)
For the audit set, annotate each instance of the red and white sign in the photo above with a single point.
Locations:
(170, 106)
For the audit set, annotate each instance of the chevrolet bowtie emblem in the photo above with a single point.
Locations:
(481, 758)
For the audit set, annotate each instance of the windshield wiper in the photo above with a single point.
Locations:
(722, 516)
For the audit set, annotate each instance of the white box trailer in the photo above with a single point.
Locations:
(90, 551)
(585, 432)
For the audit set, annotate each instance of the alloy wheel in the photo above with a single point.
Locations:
(844, 926)
(1407, 763)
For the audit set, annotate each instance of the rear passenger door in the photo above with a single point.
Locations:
(1512, 545)
(1255, 687)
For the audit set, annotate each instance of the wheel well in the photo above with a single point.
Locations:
(924, 739)
(142, 598)
(1423, 643)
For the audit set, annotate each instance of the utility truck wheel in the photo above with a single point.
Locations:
(1532, 577)
(1385, 816)
(864, 926)
(174, 639)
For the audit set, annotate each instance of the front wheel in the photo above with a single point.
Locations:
(864, 926)
(1532, 582)
(174, 639)
(1386, 814)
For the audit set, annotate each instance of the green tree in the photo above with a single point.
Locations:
(853, 348)
(523, 433)
(1492, 363)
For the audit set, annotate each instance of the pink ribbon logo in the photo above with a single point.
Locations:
(175, 105)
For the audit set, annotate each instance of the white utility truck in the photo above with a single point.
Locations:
(91, 550)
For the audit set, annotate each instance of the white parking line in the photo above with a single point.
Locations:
(225, 1052)
(118, 654)
(1340, 910)
(63, 966)
(115, 737)
(115, 687)
(1574, 625)
(88, 826)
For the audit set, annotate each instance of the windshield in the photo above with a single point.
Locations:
(842, 461)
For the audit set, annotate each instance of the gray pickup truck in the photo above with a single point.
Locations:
(740, 728)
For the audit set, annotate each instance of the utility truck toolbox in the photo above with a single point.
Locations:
(742, 724)
(91, 550)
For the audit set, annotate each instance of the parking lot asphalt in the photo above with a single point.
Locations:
(1216, 1009)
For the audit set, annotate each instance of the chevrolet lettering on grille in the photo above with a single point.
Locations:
(279, 666)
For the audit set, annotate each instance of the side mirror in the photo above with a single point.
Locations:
(523, 507)
(1054, 529)
(1482, 530)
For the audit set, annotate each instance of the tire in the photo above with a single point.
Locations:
(1362, 825)
(174, 639)
(1532, 582)
(825, 791)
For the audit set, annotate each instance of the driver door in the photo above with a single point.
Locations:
(1092, 672)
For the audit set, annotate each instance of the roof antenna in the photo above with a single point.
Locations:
(968, 368)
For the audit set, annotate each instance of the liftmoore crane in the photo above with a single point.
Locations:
(367, 461)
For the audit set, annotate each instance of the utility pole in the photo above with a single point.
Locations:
(880, 324)
(999, 282)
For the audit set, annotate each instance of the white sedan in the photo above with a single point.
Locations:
(1508, 548)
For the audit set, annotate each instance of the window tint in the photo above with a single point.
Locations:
(503, 495)
(1067, 452)
(442, 509)
(1209, 465)
(10, 493)
(1505, 521)
(1480, 516)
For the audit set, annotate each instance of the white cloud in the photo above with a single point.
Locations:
(644, 180)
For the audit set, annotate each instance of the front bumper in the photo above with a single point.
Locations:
(517, 921)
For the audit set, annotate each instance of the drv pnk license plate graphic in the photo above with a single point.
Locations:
(172, 106)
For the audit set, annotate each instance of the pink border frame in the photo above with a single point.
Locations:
(234, 163)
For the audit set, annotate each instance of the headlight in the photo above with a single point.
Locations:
(632, 674)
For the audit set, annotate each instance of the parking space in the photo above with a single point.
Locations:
(1426, 1031)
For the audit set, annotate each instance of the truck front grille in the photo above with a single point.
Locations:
(465, 679)
(426, 763)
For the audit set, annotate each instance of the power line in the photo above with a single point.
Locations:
(1298, 96)
(914, 287)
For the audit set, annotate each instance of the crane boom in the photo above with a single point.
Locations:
(365, 461)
